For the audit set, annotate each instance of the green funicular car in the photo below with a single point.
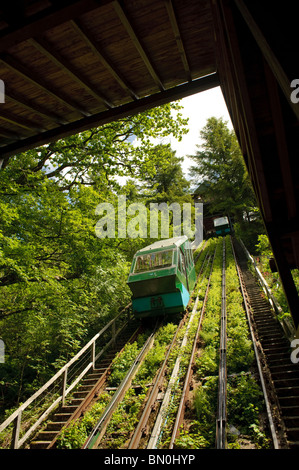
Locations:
(162, 278)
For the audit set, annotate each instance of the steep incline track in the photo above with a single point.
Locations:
(283, 375)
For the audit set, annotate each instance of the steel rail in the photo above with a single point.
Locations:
(188, 378)
(17, 416)
(257, 357)
(157, 430)
(88, 400)
(157, 385)
(172, 381)
(135, 440)
(99, 429)
(222, 384)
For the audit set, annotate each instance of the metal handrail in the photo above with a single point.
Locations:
(16, 416)
(286, 324)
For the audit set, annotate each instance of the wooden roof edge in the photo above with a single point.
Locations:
(134, 107)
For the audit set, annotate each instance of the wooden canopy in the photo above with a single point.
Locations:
(67, 66)
(70, 66)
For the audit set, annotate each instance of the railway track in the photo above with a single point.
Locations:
(281, 375)
(152, 420)
(84, 395)
(222, 376)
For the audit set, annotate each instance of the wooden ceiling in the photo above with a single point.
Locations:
(68, 66)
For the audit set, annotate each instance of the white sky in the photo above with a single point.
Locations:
(198, 108)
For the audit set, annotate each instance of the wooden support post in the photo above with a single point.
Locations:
(16, 431)
(93, 355)
(286, 279)
(64, 381)
(113, 333)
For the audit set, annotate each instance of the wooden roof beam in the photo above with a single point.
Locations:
(246, 111)
(281, 143)
(35, 108)
(46, 49)
(88, 39)
(126, 23)
(158, 99)
(19, 122)
(35, 25)
(177, 35)
(9, 136)
(15, 66)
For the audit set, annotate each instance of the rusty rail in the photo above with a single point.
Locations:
(188, 378)
(61, 378)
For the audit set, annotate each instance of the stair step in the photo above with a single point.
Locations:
(290, 410)
(91, 381)
(80, 394)
(286, 382)
(293, 433)
(291, 370)
(287, 391)
(291, 421)
(293, 444)
(40, 444)
(55, 425)
(62, 416)
(76, 402)
(47, 435)
(68, 408)
(289, 401)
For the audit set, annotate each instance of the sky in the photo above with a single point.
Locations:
(198, 108)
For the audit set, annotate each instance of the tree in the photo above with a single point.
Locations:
(96, 156)
(59, 283)
(167, 183)
(220, 171)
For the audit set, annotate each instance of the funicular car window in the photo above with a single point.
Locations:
(181, 263)
(153, 261)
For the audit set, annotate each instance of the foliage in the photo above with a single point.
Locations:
(244, 401)
(205, 403)
(190, 440)
(262, 256)
(240, 354)
(75, 435)
(59, 282)
(220, 171)
(168, 183)
(156, 354)
(243, 394)
(122, 363)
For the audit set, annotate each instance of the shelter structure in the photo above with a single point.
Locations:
(68, 66)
